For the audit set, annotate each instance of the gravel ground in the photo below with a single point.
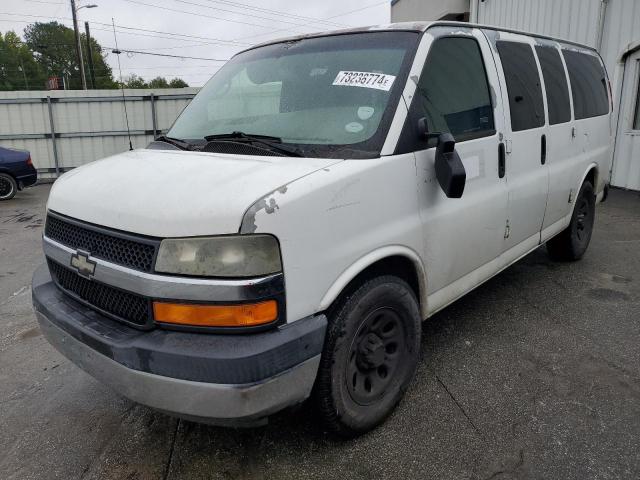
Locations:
(536, 374)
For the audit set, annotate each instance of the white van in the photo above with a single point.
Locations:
(317, 200)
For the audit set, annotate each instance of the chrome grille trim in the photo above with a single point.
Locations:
(172, 287)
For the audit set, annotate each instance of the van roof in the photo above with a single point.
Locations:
(413, 27)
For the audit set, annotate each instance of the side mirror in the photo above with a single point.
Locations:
(450, 170)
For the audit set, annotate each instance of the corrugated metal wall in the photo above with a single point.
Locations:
(621, 28)
(87, 125)
(575, 20)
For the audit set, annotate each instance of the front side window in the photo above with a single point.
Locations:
(555, 83)
(588, 84)
(324, 95)
(453, 91)
(523, 85)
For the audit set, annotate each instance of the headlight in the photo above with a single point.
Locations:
(224, 256)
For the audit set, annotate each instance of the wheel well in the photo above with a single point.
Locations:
(8, 172)
(591, 177)
(396, 265)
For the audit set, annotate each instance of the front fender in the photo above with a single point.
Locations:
(369, 259)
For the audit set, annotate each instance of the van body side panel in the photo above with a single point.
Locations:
(527, 177)
(594, 137)
(328, 221)
(461, 235)
(563, 160)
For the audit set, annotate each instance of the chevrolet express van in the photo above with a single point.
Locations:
(318, 199)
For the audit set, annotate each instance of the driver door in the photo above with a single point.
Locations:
(456, 93)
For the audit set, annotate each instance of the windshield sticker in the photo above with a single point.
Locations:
(354, 127)
(378, 81)
(318, 71)
(365, 113)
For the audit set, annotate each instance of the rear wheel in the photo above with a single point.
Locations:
(571, 244)
(8, 186)
(370, 355)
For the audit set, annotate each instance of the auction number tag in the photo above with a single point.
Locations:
(379, 81)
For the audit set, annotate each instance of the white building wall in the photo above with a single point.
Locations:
(575, 20)
(420, 10)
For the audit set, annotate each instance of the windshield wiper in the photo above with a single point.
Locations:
(175, 141)
(272, 143)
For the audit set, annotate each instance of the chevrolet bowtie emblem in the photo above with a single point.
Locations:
(80, 261)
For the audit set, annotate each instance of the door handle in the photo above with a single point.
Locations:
(501, 159)
(543, 149)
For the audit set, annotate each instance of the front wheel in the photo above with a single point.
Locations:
(571, 244)
(8, 186)
(370, 355)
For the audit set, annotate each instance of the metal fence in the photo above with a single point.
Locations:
(68, 128)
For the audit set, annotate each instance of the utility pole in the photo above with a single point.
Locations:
(78, 46)
(90, 56)
(24, 75)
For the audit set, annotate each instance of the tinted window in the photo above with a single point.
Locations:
(453, 93)
(588, 84)
(555, 83)
(523, 85)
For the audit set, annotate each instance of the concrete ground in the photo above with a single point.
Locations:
(536, 374)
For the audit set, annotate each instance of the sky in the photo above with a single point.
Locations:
(204, 29)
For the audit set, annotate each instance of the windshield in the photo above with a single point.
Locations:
(323, 95)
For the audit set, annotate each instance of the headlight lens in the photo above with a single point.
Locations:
(225, 256)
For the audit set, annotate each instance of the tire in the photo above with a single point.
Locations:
(370, 355)
(571, 244)
(8, 186)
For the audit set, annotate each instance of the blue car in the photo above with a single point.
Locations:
(16, 172)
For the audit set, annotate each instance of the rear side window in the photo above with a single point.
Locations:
(555, 83)
(523, 85)
(588, 84)
(453, 92)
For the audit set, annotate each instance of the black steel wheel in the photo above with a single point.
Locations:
(376, 353)
(8, 186)
(572, 243)
(370, 355)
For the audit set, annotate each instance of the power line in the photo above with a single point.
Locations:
(200, 14)
(328, 18)
(165, 37)
(275, 12)
(175, 34)
(42, 1)
(139, 52)
(238, 13)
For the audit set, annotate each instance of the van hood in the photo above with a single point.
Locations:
(174, 193)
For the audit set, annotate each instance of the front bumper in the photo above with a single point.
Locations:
(219, 379)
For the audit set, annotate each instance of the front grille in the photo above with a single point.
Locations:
(122, 249)
(122, 305)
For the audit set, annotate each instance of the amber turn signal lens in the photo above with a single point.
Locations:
(246, 315)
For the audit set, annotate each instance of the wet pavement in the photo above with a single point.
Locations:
(535, 374)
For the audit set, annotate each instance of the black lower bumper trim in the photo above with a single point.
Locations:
(200, 357)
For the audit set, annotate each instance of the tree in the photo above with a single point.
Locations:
(178, 83)
(134, 81)
(18, 67)
(53, 45)
(159, 82)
